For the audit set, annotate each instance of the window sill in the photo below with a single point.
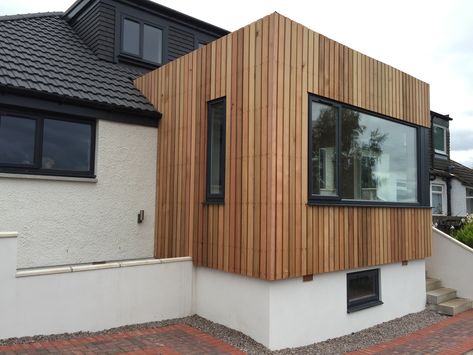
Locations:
(48, 177)
(359, 203)
(213, 203)
(364, 306)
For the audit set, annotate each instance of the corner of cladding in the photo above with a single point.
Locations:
(265, 229)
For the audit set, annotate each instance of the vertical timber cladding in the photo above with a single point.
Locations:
(265, 229)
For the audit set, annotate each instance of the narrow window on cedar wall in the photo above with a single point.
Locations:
(216, 151)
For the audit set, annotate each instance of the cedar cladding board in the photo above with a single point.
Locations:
(265, 229)
(96, 27)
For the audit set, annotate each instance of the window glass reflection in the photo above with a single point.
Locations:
(66, 145)
(131, 37)
(17, 140)
(217, 148)
(379, 159)
(152, 44)
(324, 162)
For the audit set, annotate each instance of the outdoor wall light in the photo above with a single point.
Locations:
(141, 216)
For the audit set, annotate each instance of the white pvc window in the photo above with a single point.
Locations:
(438, 199)
(469, 200)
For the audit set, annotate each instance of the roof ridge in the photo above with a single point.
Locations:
(32, 15)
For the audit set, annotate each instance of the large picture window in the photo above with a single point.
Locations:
(46, 146)
(216, 151)
(356, 156)
(142, 41)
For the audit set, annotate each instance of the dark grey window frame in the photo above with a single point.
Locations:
(215, 198)
(142, 23)
(35, 168)
(423, 187)
(375, 300)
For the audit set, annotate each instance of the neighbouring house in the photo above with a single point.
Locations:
(451, 183)
(288, 167)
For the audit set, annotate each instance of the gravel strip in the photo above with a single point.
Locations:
(377, 334)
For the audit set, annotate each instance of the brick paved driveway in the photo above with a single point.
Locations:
(171, 339)
(450, 336)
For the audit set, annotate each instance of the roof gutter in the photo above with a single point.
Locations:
(9, 95)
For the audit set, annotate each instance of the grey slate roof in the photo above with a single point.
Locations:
(462, 172)
(41, 54)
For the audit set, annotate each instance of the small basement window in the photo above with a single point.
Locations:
(46, 146)
(362, 290)
(142, 41)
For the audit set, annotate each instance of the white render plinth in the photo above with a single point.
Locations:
(291, 313)
(92, 298)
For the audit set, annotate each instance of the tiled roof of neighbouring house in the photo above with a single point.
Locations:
(41, 54)
(462, 173)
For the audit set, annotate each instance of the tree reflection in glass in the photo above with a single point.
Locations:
(323, 152)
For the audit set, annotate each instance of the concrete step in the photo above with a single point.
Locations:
(432, 284)
(455, 306)
(432, 307)
(440, 295)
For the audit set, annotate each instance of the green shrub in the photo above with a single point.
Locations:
(465, 234)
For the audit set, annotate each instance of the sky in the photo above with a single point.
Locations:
(431, 40)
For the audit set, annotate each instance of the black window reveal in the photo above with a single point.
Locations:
(142, 41)
(216, 151)
(47, 146)
(363, 290)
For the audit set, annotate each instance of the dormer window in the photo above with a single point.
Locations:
(440, 139)
(142, 41)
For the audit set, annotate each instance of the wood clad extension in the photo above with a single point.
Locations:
(265, 228)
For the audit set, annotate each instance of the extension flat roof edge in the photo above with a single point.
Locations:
(31, 15)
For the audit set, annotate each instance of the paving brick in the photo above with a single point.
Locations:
(168, 340)
(451, 336)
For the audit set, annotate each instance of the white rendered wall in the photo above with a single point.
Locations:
(291, 313)
(458, 198)
(238, 302)
(452, 263)
(302, 313)
(69, 222)
(90, 300)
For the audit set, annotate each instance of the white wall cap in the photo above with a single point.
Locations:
(87, 267)
(176, 260)
(452, 240)
(8, 234)
(43, 271)
(92, 267)
(140, 262)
